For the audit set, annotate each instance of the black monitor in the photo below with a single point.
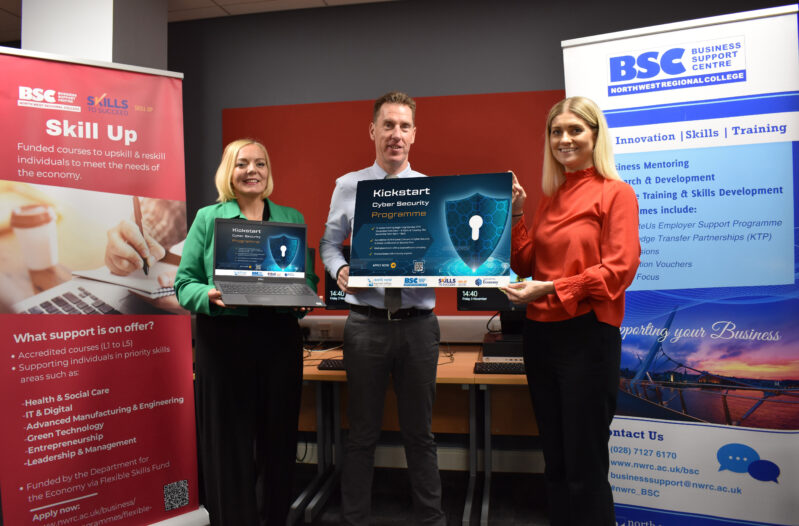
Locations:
(489, 299)
(334, 297)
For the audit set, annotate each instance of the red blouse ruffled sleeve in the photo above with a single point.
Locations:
(584, 239)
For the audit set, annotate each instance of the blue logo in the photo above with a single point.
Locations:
(415, 282)
(646, 65)
(691, 65)
(740, 458)
(103, 101)
(478, 282)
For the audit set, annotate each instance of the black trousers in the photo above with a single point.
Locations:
(407, 352)
(573, 373)
(248, 386)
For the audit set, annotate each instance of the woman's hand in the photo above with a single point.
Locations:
(527, 291)
(306, 309)
(519, 196)
(215, 297)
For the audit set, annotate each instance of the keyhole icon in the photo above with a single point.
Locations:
(282, 250)
(475, 222)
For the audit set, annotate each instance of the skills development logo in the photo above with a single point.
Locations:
(706, 63)
(48, 99)
(107, 104)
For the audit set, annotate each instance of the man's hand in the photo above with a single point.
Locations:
(343, 278)
(127, 246)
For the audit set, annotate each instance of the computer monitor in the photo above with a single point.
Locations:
(334, 297)
(488, 299)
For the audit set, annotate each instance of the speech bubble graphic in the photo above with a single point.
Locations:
(736, 457)
(764, 470)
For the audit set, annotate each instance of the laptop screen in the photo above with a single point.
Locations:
(259, 249)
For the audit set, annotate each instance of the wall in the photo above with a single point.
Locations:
(358, 52)
(427, 48)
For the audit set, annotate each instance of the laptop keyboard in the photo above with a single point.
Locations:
(80, 302)
(265, 289)
(498, 367)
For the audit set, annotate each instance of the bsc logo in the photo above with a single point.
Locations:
(646, 65)
(36, 94)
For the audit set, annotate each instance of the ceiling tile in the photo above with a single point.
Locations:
(195, 14)
(348, 2)
(241, 8)
(179, 5)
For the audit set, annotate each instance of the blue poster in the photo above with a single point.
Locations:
(704, 118)
(450, 231)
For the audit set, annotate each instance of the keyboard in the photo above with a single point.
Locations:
(265, 289)
(331, 364)
(498, 367)
(80, 302)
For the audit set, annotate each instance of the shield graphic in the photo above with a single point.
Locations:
(283, 249)
(475, 225)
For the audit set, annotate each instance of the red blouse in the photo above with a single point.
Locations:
(585, 240)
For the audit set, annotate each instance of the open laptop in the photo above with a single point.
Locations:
(86, 296)
(261, 263)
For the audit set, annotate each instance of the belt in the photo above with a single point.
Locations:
(383, 314)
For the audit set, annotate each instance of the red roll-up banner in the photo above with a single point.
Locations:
(96, 389)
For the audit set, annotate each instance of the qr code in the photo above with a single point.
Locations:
(418, 266)
(176, 495)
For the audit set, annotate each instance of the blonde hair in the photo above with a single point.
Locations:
(224, 173)
(588, 112)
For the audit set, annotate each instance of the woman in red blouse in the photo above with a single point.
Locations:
(582, 251)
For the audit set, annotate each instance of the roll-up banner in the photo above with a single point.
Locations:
(704, 118)
(96, 389)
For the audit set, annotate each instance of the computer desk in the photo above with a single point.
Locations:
(328, 432)
(457, 370)
(485, 382)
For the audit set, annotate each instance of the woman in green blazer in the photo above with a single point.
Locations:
(248, 360)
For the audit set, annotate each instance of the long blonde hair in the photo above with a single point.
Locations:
(589, 112)
(224, 173)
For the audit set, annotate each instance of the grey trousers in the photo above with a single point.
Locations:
(407, 351)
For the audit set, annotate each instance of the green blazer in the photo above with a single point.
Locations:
(196, 271)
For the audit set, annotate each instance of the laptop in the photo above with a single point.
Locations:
(86, 296)
(261, 263)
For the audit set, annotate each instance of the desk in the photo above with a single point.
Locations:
(458, 370)
(456, 367)
(328, 432)
(485, 381)
(461, 371)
